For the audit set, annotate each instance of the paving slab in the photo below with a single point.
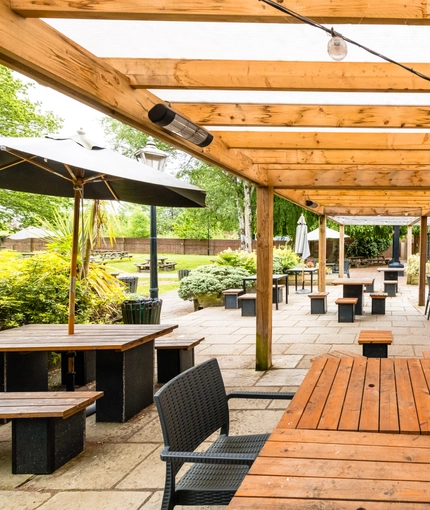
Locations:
(121, 468)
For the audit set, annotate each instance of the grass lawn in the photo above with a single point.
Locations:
(167, 280)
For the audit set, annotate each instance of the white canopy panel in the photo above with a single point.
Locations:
(375, 220)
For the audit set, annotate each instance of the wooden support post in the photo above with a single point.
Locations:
(264, 278)
(409, 243)
(423, 260)
(322, 253)
(341, 250)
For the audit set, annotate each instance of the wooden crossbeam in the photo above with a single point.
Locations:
(271, 75)
(370, 179)
(387, 158)
(35, 49)
(305, 115)
(413, 12)
(325, 140)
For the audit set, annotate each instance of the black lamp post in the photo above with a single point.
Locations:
(156, 159)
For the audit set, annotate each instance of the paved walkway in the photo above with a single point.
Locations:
(120, 467)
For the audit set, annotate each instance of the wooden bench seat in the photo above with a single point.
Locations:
(318, 302)
(378, 302)
(248, 304)
(390, 287)
(174, 355)
(339, 353)
(375, 343)
(144, 266)
(230, 298)
(346, 309)
(48, 428)
(167, 266)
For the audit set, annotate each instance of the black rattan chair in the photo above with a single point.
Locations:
(191, 407)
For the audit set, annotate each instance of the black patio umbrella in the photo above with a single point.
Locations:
(74, 167)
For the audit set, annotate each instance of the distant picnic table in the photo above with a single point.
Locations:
(163, 263)
(104, 255)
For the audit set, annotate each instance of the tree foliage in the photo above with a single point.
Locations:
(21, 117)
(36, 291)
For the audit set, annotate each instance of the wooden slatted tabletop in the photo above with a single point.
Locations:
(363, 394)
(332, 470)
(45, 404)
(54, 337)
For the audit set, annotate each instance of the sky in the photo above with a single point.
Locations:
(232, 41)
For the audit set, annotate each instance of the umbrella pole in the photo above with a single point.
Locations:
(74, 261)
(70, 380)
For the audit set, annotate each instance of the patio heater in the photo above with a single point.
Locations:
(155, 158)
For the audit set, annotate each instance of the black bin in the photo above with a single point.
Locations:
(182, 273)
(131, 281)
(141, 311)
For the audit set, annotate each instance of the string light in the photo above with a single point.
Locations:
(335, 34)
(337, 48)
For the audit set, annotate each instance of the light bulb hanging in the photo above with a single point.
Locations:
(337, 48)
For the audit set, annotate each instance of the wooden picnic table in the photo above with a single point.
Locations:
(328, 451)
(124, 361)
(363, 394)
(354, 288)
(332, 470)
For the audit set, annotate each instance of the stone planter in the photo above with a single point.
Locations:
(412, 279)
(205, 301)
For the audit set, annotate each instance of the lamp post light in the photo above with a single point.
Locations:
(155, 158)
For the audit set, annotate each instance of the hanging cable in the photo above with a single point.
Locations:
(334, 33)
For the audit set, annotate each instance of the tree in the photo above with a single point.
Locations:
(19, 117)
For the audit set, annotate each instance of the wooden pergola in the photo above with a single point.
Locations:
(381, 173)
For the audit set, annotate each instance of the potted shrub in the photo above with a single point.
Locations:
(413, 268)
(204, 285)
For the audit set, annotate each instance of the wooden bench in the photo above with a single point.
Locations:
(167, 266)
(318, 302)
(144, 266)
(375, 343)
(48, 428)
(339, 353)
(231, 298)
(378, 302)
(390, 287)
(248, 304)
(371, 287)
(174, 355)
(280, 294)
(346, 309)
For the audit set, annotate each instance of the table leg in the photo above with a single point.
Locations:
(312, 280)
(350, 291)
(277, 295)
(42, 445)
(127, 379)
(26, 371)
(287, 290)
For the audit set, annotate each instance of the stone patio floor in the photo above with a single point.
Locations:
(120, 468)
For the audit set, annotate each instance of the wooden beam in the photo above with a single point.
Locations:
(193, 74)
(423, 260)
(264, 278)
(387, 158)
(325, 140)
(322, 252)
(341, 179)
(306, 115)
(40, 52)
(413, 12)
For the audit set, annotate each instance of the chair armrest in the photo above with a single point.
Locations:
(268, 395)
(246, 459)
